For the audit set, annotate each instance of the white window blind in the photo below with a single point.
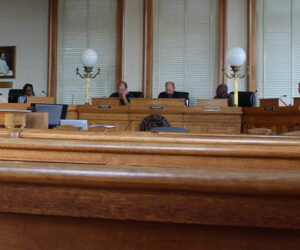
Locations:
(186, 46)
(278, 50)
(86, 24)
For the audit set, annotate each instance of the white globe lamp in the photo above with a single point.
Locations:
(236, 57)
(89, 59)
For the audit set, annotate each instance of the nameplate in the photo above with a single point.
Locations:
(104, 107)
(269, 109)
(212, 109)
(156, 108)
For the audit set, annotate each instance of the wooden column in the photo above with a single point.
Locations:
(148, 48)
(252, 45)
(52, 48)
(223, 39)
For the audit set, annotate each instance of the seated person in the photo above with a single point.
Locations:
(170, 92)
(222, 92)
(28, 91)
(123, 93)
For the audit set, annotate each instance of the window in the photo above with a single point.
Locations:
(86, 24)
(186, 46)
(278, 50)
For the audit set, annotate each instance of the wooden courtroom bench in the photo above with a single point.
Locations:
(141, 190)
(150, 149)
(78, 206)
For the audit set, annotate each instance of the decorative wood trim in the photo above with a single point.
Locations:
(120, 42)
(252, 45)
(223, 39)
(52, 48)
(148, 48)
(6, 85)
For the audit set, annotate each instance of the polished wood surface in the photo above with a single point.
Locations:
(163, 102)
(152, 149)
(213, 102)
(78, 206)
(37, 120)
(10, 119)
(195, 119)
(297, 102)
(279, 119)
(272, 103)
(37, 99)
(106, 101)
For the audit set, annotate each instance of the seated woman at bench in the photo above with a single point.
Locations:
(123, 93)
(28, 91)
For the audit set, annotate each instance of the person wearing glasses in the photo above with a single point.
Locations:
(28, 91)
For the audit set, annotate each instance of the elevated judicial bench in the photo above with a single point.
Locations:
(83, 190)
(200, 119)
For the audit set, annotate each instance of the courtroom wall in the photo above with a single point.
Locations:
(24, 23)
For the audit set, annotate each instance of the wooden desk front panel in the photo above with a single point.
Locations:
(195, 119)
(227, 120)
(280, 120)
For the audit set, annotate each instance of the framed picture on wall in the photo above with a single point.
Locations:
(7, 62)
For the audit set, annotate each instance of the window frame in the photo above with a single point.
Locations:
(148, 45)
(53, 43)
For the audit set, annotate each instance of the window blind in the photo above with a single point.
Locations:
(278, 51)
(186, 46)
(86, 24)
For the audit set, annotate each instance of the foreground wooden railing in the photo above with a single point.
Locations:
(147, 149)
(122, 207)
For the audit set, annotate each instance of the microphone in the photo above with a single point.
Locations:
(280, 98)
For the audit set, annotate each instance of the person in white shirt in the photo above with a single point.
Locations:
(4, 69)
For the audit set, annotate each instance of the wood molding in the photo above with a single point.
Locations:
(52, 48)
(223, 39)
(148, 48)
(252, 44)
(120, 38)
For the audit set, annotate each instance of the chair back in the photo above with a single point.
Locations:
(137, 94)
(246, 99)
(14, 94)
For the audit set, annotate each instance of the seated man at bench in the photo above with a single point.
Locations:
(123, 93)
(170, 92)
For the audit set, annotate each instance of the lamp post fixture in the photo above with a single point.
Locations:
(236, 57)
(88, 59)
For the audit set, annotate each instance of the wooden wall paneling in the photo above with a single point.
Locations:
(148, 48)
(120, 42)
(252, 44)
(52, 48)
(223, 39)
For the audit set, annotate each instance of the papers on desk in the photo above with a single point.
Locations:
(103, 126)
(16, 110)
